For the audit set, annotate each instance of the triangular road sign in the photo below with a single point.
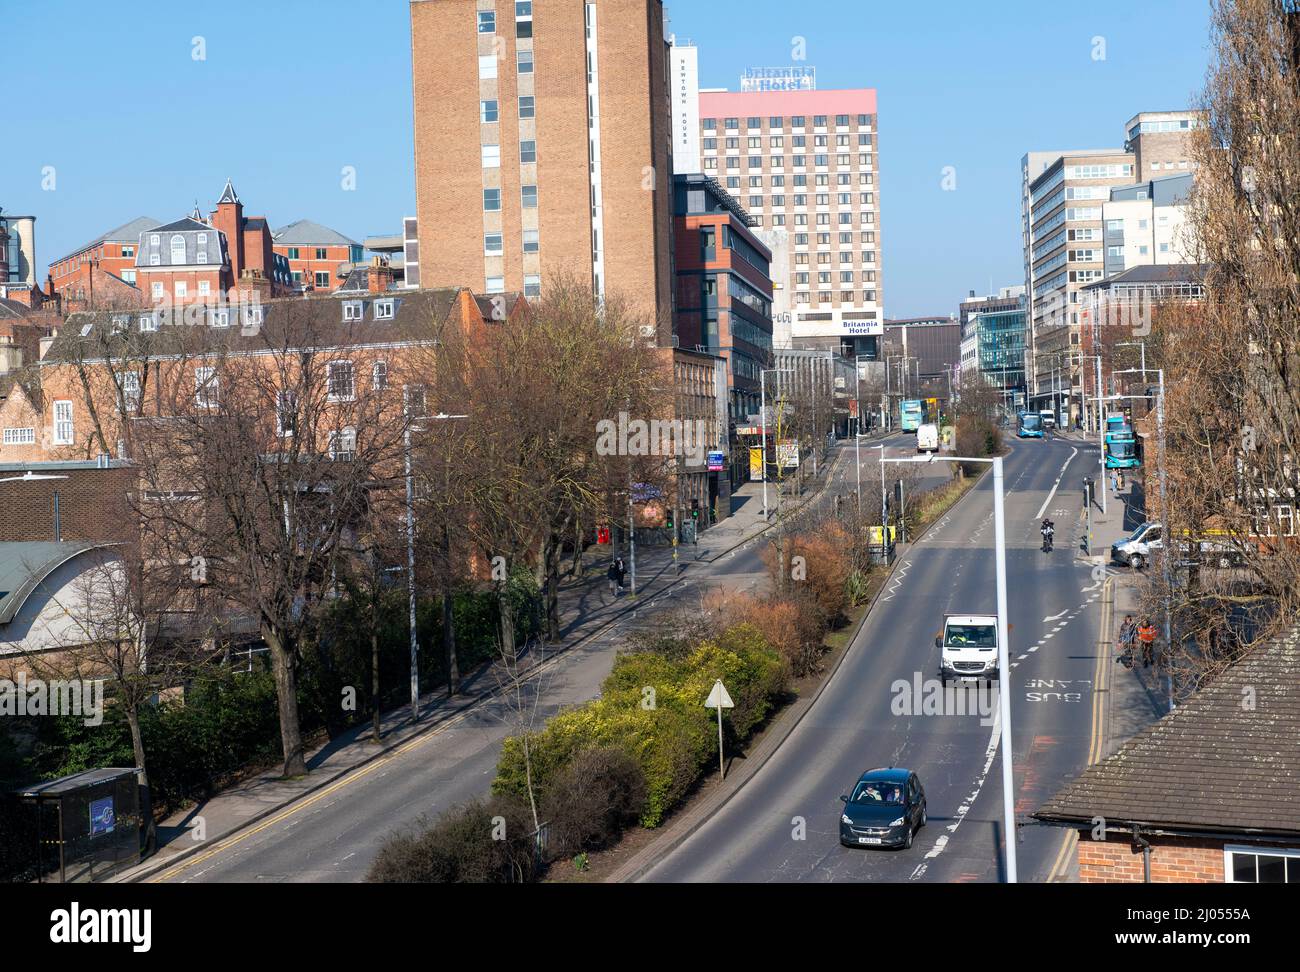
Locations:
(719, 698)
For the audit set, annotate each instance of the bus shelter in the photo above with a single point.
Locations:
(87, 825)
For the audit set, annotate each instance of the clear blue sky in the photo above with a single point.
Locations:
(292, 91)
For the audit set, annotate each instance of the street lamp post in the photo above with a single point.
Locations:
(1004, 651)
(410, 552)
(762, 407)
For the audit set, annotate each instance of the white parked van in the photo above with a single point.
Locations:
(927, 438)
(969, 645)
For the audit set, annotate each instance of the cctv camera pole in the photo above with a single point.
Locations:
(1004, 670)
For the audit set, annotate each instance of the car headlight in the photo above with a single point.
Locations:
(897, 823)
(845, 818)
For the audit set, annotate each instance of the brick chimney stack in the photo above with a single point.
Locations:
(228, 217)
(379, 275)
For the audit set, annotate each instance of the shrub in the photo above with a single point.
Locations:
(590, 802)
(481, 842)
(672, 739)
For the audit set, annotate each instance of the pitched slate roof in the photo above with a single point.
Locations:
(228, 194)
(126, 233)
(1153, 273)
(296, 322)
(304, 232)
(213, 249)
(1226, 760)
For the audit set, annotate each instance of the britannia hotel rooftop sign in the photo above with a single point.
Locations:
(779, 79)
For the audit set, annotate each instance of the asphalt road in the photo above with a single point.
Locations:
(783, 824)
(334, 834)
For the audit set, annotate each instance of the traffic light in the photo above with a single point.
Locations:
(695, 509)
(670, 518)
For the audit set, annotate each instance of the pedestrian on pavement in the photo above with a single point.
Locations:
(1127, 639)
(1147, 636)
(615, 577)
(1114, 481)
(622, 572)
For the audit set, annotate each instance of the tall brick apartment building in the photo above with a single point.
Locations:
(543, 146)
(1207, 794)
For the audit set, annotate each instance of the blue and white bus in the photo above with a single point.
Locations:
(1029, 425)
(911, 414)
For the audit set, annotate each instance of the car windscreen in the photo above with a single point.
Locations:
(970, 636)
(878, 793)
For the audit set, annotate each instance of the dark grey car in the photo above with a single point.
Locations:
(885, 809)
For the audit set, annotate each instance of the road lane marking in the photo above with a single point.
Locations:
(1061, 475)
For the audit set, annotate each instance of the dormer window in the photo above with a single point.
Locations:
(154, 259)
(353, 310)
(203, 239)
(178, 250)
(202, 256)
(383, 310)
(154, 239)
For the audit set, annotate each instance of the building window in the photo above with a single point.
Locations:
(286, 412)
(129, 382)
(353, 310)
(156, 290)
(530, 241)
(205, 288)
(182, 288)
(379, 375)
(384, 310)
(487, 111)
(496, 285)
(321, 253)
(206, 387)
(487, 22)
(491, 155)
(219, 318)
(487, 67)
(492, 200)
(343, 444)
(128, 251)
(530, 197)
(322, 279)
(128, 276)
(293, 253)
(64, 433)
(524, 62)
(178, 250)
(340, 381)
(524, 18)
(1259, 865)
(527, 151)
(252, 316)
(148, 323)
(493, 244)
(532, 285)
(527, 106)
(20, 437)
(154, 239)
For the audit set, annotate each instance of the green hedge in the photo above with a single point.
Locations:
(675, 739)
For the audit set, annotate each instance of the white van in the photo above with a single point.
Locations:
(969, 645)
(927, 438)
(1136, 549)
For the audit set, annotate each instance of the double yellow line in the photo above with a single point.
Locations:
(1097, 735)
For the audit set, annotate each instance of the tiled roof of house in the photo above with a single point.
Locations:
(1227, 760)
(304, 232)
(297, 322)
(126, 233)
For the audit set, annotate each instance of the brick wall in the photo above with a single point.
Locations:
(1172, 861)
(92, 506)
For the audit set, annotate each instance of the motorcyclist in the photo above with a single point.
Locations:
(1048, 530)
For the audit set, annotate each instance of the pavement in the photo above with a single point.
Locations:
(327, 825)
(780, 823)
